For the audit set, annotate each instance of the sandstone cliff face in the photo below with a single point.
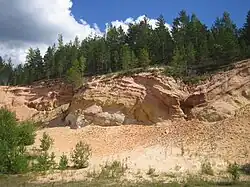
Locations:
(148, 98)
(224, 93)
(42, 101)
(143, 98)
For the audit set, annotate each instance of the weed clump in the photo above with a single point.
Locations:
(234, 171)
(115, 169)
(206, 168)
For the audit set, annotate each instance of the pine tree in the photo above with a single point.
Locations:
(226, 45)
(180, 29)
(143, 58)
(245, 37)
(139, 36)
(198, 36)
(246, 29)
(31, 66)
(161, 43)
(125, 57)
(76, 42)
(39, 65)
(49, 63)
(114, 46)
(82, 65)
(178, 64)
(74, 74)
(60, 57)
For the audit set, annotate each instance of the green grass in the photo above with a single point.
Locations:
(21, 181)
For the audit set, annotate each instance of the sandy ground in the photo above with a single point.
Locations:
(139, 147)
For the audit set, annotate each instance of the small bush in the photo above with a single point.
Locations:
(46, 142)
(80, 155)
(14, 137)
(113, 170)
(45, 162)
(26, 133)
(20, 164)
(234, 170)
(63, 164)
(206, 168)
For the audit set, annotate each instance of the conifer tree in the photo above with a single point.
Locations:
(226, 45)
(143, 58)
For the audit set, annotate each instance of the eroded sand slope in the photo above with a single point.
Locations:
(148, 118)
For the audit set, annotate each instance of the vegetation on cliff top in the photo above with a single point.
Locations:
(189, 49)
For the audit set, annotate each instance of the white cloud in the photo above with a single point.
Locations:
(29, 23)
(125, 24)
(37, 23)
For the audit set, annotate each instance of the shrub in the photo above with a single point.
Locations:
(80, 155)
(206, 168)
(46, 142)
(27, 133)
(114, 169)
(14, 137)
(63, 164)
(20, 164)
(45, 161)
(234, 170)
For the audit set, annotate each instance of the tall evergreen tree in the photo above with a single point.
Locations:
(114, 46)
(139, 36)
(226, 45)
(31, 66)
(125, 57)
(49, 62)
(245, 37)
(39, 65)
(143, 58)
(161, 43)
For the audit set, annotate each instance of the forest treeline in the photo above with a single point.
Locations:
(190, 46)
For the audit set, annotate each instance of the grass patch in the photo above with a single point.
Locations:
(19, 180)
(115, 169)
(234, 171)
(206, 168)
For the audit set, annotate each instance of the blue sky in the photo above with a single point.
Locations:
(101, 12)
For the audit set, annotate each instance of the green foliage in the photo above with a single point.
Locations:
(46, 142)
(143, 58)
(26, 131)
(63, 164)
(115, 169)
(189, 44)
(125, 57)
(234, 170)
(75, 73)
(225, 44)
(44, 162)
(80, 155)
(13, 139)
